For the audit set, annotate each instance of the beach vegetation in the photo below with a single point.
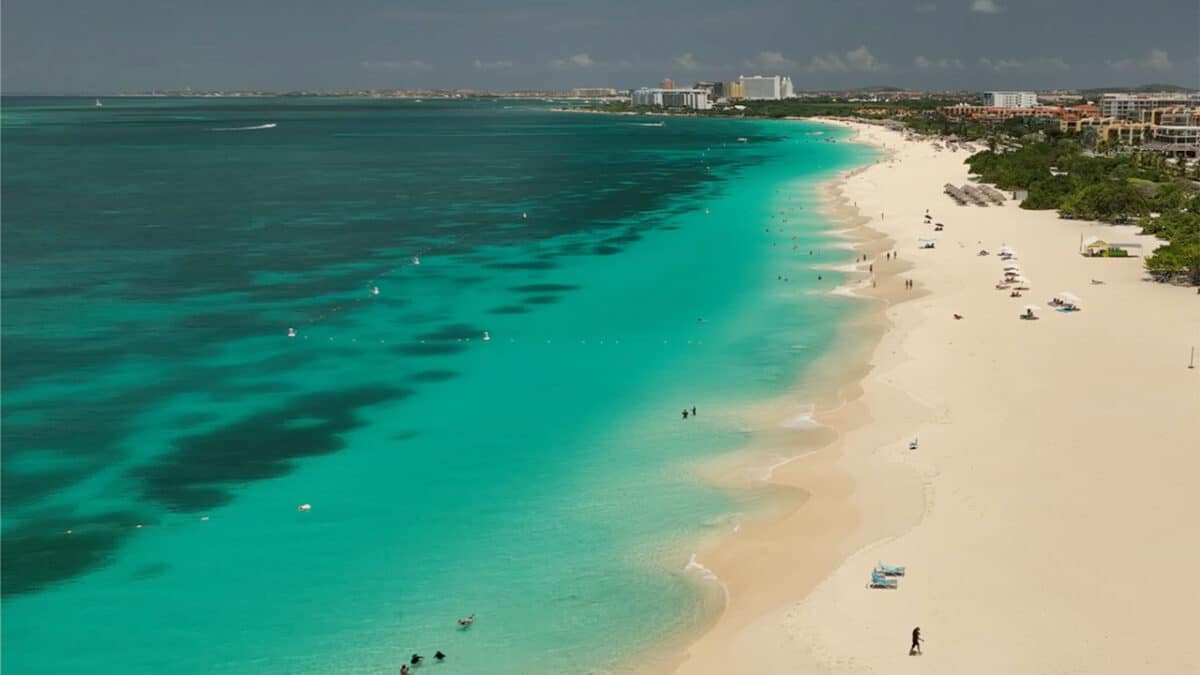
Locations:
(1179, 259)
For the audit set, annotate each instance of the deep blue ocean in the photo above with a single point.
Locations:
(161, 429)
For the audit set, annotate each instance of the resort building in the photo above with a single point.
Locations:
(1010, 99)
(999, 114)
(1132, 106)
(593, 92)
(688, 99)
(767, 88)
(1171, 131)
(733, 90)
(1175, 131)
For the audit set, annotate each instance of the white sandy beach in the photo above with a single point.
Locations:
(1048, 517)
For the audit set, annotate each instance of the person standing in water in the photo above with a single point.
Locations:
(916, 642)
(693, 411)
(685, 413)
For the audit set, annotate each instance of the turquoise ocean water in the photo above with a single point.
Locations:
(160, 428)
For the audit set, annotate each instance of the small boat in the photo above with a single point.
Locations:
(416, 260)
(291, 332)
(99, 104)
(375, 290)
(304, 507)
(486, 337)
(743, 139)
(524, 215)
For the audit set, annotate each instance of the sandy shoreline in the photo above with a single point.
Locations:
(1044, 517)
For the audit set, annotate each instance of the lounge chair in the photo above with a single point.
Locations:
(889, 570)
(880, 581)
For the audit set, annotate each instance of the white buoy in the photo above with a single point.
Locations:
(291, 332)
(305, 507)
(486, 337)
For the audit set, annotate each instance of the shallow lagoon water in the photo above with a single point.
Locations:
(541, 479)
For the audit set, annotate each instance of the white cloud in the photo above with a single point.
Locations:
(856, 60)
(492, 65)
(1156, 59)
(1031, 66)
(986, 7)
(412, 66)
(923, 63)
(576, 61)
(924, 7)
(687, 61)
(770, 61)
(862, 59)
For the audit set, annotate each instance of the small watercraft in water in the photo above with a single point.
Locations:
(743, 139)
(291, 332)
(99, 104)
(486, 337)
(304, 507)
(416, 260)
(375, 290)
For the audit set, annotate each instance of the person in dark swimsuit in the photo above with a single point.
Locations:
(416, 659)
(439, 656)
(916, 642)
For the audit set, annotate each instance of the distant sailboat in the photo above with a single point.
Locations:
(99, 104)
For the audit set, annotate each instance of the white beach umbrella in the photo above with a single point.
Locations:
(1067, 296)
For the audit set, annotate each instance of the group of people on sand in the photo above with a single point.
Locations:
(439, 656)
(685, 412)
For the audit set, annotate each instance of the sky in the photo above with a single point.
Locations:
(111, 46)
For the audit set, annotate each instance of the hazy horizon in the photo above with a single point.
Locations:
(69, 46)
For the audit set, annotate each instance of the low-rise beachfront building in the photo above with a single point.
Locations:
(1175, 132)
(1095, 247)
(1010, 99)
(688, 99)
(1172, 131)
(999, 114)
(1131, 107)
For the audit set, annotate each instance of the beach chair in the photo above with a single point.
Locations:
(880, 581)
(889, 570)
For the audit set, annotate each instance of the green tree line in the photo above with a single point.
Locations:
(1122, 189)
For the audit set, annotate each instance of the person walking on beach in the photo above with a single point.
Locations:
(916, 642)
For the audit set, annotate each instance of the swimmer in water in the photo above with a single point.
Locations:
(466, 622)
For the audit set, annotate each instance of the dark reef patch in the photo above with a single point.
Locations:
(527, 265)
(541, 299)
(425, 376)
(39, 553)
(544, 288)
(453, 331)
(509, 309)
(201, 470)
